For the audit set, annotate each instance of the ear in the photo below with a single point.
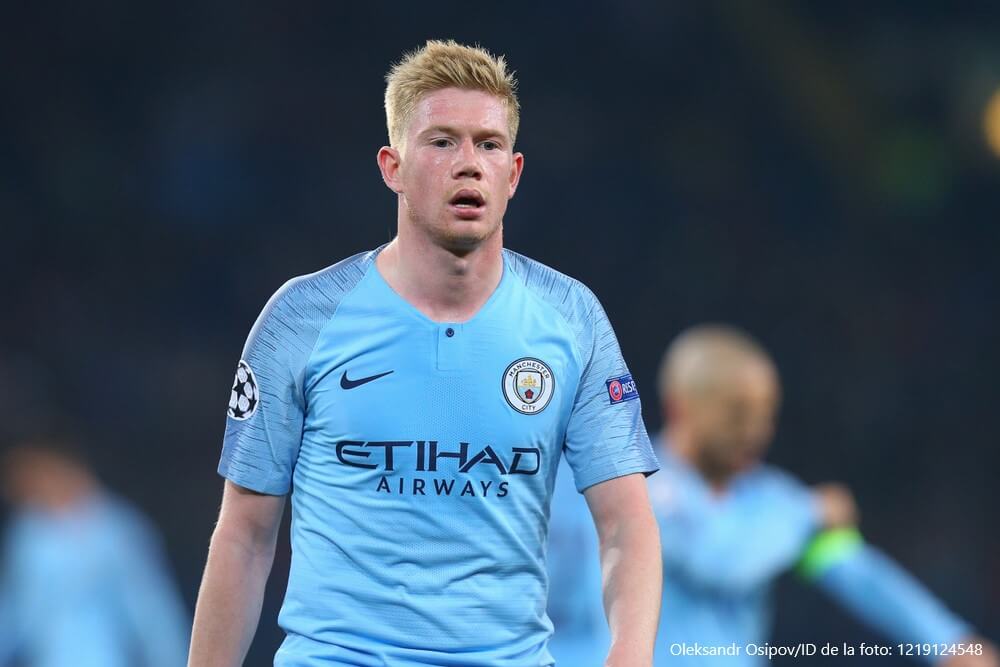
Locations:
(516, 166)
(389, 162)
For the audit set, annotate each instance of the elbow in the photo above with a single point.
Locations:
(635, 540)
(250, 541)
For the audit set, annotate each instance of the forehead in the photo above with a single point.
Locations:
(470, 110)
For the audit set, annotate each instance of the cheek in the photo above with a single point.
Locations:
(501, 179)
(422, 180)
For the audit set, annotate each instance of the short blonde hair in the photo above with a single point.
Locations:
(446, 64)
(703, 356)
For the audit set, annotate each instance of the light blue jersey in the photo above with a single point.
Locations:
(87, 587)
(581, 637)
(721, 556)
(421, 457)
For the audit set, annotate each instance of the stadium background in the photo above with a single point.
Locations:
(819, 174)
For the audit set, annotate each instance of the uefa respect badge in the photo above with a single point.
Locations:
(621, 389)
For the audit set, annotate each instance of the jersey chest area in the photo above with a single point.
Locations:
(492, 382)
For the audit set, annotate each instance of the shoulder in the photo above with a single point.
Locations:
(674, 488)
(565, 294)
(323, 288)
(769, 478)
(21, 527)
(300, 307)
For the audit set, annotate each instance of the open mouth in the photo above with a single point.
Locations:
(467, 199)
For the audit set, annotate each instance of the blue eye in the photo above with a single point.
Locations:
(491, 145)
(440, 143)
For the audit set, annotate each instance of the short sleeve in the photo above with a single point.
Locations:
(267, 402)
(266, 405)
(605, 436)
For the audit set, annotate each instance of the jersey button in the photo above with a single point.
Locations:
(449, 332)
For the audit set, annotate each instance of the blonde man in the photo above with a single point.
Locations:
(415, 401)
(732, 524)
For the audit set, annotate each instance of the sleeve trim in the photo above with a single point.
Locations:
(645, 467)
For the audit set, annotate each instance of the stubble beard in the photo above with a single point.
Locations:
(445, 234)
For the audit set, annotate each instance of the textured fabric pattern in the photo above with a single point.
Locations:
(260, 453)
(421, 456)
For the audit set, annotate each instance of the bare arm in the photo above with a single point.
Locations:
(232, 589)
(631, 568)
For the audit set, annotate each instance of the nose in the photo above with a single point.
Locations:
(467, 162)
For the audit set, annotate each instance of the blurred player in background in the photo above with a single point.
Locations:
(83, 580)
(730, 525)
(416, 400)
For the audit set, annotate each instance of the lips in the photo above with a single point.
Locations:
(467, 198)
(467, 204)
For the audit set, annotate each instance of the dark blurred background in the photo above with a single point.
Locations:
(820, 174)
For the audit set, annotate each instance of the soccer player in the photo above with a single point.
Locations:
(415, 401)
(83, 580)
(731, 524)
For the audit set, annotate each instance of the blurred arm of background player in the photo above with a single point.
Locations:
(232, 589)
(877, 590)
(631, 568)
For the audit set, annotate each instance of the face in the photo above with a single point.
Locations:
(25, 477)
(457, 168)
(734, 424)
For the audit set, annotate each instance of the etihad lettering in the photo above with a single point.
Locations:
(431, 456)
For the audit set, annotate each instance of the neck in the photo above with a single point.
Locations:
(445, 284)
(678, 441)
(681, 443)
(72, 491)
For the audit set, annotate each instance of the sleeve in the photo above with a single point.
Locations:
(740, 545)
(879, 592)
(605, 436)
(266, 403)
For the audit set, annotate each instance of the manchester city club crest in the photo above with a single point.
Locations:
(528, 385)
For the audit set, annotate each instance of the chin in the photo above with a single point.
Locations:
(465, 235)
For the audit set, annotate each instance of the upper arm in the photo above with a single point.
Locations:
(617, 500)
(250, 517)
